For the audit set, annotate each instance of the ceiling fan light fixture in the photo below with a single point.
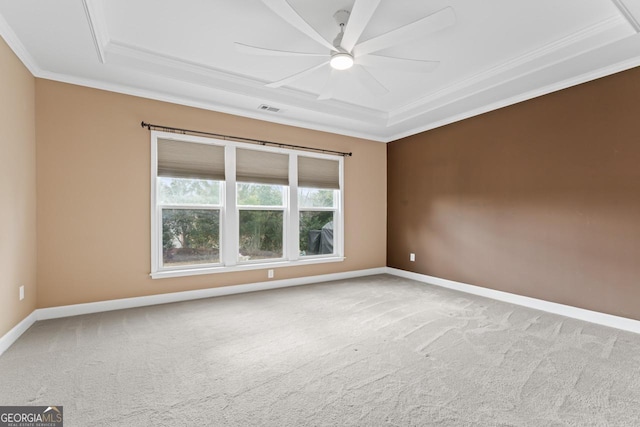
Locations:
(341, 61)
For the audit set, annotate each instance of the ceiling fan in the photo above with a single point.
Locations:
(348, 51)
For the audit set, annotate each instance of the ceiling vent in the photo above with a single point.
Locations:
(269, 108)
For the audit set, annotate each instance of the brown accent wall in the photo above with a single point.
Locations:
(94, 194)
(17, 189)
(540, 199)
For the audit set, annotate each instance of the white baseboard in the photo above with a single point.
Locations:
(119, 304)
(10, 337)
(604, 319)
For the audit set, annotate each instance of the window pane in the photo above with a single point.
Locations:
(188, 191)
(316, 198)
(316, 233)
(250, 194)
(260, 235)
(190, 236)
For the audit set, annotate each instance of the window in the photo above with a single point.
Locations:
(260, 193)
(227, 206)
(188, 188)
(318, 185)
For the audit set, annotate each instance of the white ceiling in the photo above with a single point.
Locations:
(497, 52)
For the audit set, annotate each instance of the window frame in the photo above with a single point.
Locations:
(229, 213)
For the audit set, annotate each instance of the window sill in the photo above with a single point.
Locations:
(242, 267)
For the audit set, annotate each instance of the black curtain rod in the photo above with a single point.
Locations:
(240, 139)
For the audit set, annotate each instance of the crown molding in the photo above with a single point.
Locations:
(302, 109)
(574, 81)
(210, 106)
(17, 47)
(578, 43)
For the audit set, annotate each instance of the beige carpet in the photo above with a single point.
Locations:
(369, 352)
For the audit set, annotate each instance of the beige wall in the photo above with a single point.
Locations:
(17, 189)
(93, 194)
(539, 199)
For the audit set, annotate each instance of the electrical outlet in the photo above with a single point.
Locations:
(412, 257)
(270, 274)
(21, 293)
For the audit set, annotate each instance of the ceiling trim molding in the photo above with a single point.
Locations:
(418, 107)
(334, 116)
(187, 71)
(98, 27)
(210, 106)
(631, 18)
(567, 83)
(18, 48)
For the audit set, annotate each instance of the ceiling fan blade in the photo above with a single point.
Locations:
(399, 64)
(297, 76)
(369, 82)
(432, 23)
(255, 50)
(360, 16)
(283, 9)
(329, 86)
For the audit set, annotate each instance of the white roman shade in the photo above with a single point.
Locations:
(179, 159)
(262, 167)
(318, 173)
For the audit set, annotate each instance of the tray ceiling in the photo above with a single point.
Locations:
(493, 53)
